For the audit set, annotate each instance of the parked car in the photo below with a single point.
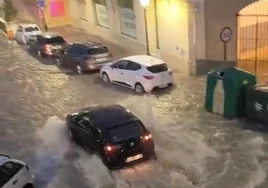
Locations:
(141, 72)
(113, 132)
(14, 173)
(26, 31)
(84, 57)
(46, 44)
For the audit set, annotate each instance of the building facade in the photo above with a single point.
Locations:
(170, 23)
(55, 13)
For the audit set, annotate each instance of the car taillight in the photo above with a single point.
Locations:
(148, 77)
(110, 148)
(147, 137)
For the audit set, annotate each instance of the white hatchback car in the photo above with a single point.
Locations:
(26, 32)
(14, 173)
(140, 72)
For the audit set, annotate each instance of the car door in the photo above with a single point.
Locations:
(64, 55)
(131, 73)
(73, 56)
(117, 71)
(15, 174)
(95, 138)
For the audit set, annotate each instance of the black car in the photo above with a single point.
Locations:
(114, 133)
(46, 44)
(84, 57)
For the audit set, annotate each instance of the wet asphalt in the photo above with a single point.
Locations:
(195, 149)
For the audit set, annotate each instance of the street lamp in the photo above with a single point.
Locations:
(145, 4)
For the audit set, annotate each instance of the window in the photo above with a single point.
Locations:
(12, 168)
(127, 17)
(101, 13)
(4, 177)
(158, 68)
(120, 64)
(77, 50)
(126, 4)
(95, 51)
(121, 133)
(31, 29)
(54, 40)
(133, 66)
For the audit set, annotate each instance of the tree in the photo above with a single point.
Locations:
(10, 11)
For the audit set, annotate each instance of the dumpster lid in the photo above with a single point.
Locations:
(263, 88)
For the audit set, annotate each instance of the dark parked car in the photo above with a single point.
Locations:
(83, 57)
(114, 133)
(46, 44)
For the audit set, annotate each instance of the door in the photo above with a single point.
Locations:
(117, 72)
(72, 57)
(64, 55)
(131, 73)
(95, 138)
(14, 173)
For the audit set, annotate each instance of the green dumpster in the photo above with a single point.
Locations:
(257, 103)
(225, 93)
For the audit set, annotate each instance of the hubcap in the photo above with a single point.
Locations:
(139, 88)
(105, 78)
(39, 53)
(58, 61)
(78, 69)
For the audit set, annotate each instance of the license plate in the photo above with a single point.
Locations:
(134, 158)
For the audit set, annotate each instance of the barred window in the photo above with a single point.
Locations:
(126, 4)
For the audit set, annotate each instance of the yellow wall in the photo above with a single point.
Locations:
(58, 21)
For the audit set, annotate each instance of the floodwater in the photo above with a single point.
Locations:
(195, 149)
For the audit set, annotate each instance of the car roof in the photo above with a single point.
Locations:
(90, 44)
(109, 116)
(144, 60)
(50, 34)
(28, 25)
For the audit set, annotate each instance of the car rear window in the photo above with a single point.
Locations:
(99, 50)
(121, 133)
(52, 40)
(158, 68)
(31, 29)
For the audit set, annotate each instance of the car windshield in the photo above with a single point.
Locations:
(121, 133)
(158, 68)
(99, 50)
(31, 29)
(59, 40)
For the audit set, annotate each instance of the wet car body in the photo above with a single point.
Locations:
(84, 57)
(114, 133)
(46, 44)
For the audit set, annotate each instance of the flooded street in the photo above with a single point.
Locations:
(195, 149)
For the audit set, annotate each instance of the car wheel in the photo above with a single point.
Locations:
(139, 88)
(105, 77)
(29, 185)
(79, 69)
